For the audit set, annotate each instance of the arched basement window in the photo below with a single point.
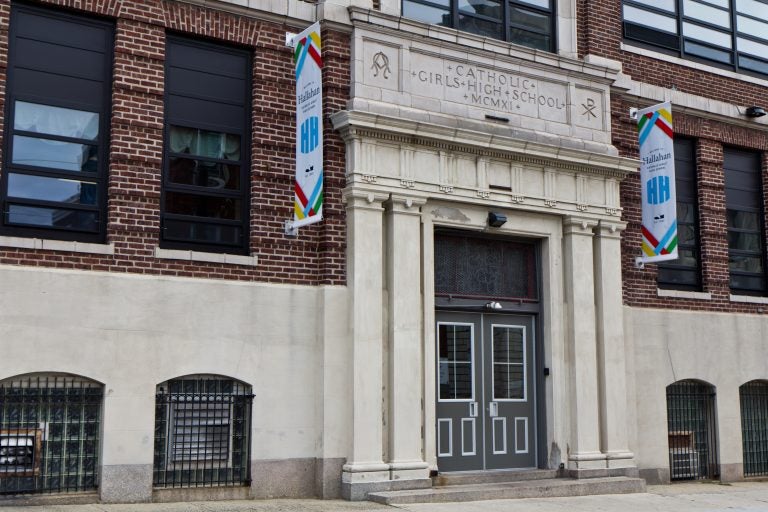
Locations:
(754, 427)
(692, 430)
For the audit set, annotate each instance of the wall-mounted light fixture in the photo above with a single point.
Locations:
(496, 220)
(493, 305)
(755, 112)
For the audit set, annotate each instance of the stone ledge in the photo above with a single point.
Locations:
(206, 257)
(683, 294)
(56, 245)
(749, 299)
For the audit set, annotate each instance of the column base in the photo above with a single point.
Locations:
(359, 480)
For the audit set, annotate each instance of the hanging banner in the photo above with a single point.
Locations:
(308, 189)
(657, 180)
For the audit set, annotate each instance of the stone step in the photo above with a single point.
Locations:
(490, 477)
(545, 488)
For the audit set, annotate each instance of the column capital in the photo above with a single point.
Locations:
(610, 229)
(573, 225)
(363, 199)
(408, 205)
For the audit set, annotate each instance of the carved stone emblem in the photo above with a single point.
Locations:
(381, 64)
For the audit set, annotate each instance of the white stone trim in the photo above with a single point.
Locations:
(56, 245)
(629, 48)
(749, 299)
(207, 257)
(683, 294)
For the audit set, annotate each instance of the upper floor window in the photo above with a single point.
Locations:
(684, 273)
(744, 210)
(731, 33)
(56, 137)
(526, 22)
(205, 170)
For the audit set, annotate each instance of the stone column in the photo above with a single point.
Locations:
(584, 453)
(365, 465)
(404, 329)
(611, 358)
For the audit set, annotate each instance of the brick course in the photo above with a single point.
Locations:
(316, 256)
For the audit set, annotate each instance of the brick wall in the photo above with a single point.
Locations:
(603, 37)
(316, 256)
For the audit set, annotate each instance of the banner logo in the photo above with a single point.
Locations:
(657, 178)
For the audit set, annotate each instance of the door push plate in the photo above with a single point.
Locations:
(493, 409)
(473, 409)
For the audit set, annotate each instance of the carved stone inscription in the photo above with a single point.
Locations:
(488, 88)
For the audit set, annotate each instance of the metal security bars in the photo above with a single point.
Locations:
(49, 434)
(754, 427)
(692, 431)
(202, 426)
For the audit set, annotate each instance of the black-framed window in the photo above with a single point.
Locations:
(744, 210)
(526, 22)
(684, 273)
(57, 129)
(207, 147)
(729, 33)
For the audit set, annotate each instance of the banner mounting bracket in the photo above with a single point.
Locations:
(291, 231)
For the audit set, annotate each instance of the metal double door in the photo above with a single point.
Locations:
(486, 396)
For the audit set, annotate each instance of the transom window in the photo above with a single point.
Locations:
(733, 33)
(54, 183)
(527, 22)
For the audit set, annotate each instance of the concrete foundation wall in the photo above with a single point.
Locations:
(133, 332)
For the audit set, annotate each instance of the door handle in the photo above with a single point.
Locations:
(473, 409)
(493, 409)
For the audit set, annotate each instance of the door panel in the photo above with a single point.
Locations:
(485, 391)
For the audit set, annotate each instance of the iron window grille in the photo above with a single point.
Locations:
(202, 427)
(56, 139)
(754, 427)
(49, 434)
(528, 23)
(205, 200)
(727, 33)
(692, 437)
(684, 273)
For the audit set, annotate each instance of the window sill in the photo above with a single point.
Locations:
(683, 294)
(206, 257)
(630, 48)
(56, 245)
(750, 299)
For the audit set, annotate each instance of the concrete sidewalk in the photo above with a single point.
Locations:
(688, 497)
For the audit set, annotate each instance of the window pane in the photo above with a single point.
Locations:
(480, 27)
(530, 39)
(745, 263)
(545, 4)
(747, 283)
(667, 5)
(187, 171)
(201, 232)
(707, 34)
(427, 14)
(52, 217)
(455, 342)
(202, 206)
(706, 13)
(744, 241)
(507, 344)
(52, 189)
(204, 143)
(752, 26)
(54, 154)
(752, 7)
(65, 122)
(524, 18)
(650, 19)
(707, 52)
(753, 64)
(745, 45)
(490, 8)
(743, 220)
(686, 212)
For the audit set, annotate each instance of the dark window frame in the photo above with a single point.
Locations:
(669, 272)
(759, 232)
(245, 134)
(506, 23)
(102, 142)
(675, 44)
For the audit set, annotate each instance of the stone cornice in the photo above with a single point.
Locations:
(503, 51)
(361, 125)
